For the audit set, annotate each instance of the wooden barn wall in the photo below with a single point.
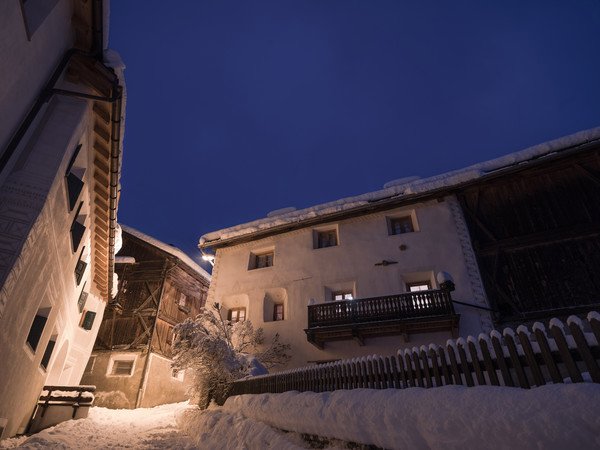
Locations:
(536, 234)
(179, 281)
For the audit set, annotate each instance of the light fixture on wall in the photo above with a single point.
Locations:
(209, 258)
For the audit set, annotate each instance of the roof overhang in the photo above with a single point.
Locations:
(402, 200)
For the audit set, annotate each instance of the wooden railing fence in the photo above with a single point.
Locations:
(514, 358)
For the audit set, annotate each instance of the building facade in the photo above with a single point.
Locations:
(369, 274)
(159, 287)
(61, 110)
(353, 282)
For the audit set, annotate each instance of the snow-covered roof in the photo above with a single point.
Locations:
(174, 251)
(404, 187)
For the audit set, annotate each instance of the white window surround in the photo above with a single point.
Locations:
(398, 215)
(123, 357)
(324, 229)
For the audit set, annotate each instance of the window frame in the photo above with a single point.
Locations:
(276, 314)
(122, 358)
(237, 310)
(402, 221)
(262, 259)
(332, 232)
(343, 293)
(412, 284)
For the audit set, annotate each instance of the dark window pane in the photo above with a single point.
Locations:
(74, 188)
(35, 333)
(77, 231)
(88, 320)
(48, 353)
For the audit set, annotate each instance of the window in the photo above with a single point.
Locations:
(77, 228)
(183, 303)
(122, 367)
(48, 351)
(418, 286)
(82, 299)
(260, 260)
(35, 13)
(327, 238)
(37, 328)
(278, 311)
(80, 268)
(342, 295)
(90, 365)
(401, 225)
(236, 314)
(87, 320)
(73, 178)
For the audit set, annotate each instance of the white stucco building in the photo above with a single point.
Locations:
(354, 277)
(61, 127)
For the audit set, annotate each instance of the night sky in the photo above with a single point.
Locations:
(239, 108)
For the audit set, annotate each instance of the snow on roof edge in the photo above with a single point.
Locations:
(414, 186)
(174, 251)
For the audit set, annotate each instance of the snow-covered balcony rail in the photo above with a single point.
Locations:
(400, 314)
(59, 403)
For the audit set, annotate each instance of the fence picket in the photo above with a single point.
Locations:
(444, 366)
(425, 362)
(464, 362)
(500, 358)
(556, 328)
(475, 362)
(584, 350)
(409, 370)
(509, 338)
(487, 361)
(456, 363)
(538, 378)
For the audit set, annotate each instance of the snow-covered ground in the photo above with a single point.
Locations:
(451, 417)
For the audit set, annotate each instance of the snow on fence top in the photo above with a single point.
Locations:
(404, 186)
(174, 251)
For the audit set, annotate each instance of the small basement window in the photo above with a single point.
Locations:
(122, 366)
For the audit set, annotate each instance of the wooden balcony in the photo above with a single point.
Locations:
(392, 315)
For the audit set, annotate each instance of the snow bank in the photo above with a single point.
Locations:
(406, 186)
(450, 417)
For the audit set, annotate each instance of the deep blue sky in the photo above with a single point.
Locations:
(239, 108)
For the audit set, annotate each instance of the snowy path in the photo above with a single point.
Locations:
(451, 417)
(106, 428)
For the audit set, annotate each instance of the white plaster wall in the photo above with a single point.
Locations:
(35, 245)
(27, 65)
(303, 273)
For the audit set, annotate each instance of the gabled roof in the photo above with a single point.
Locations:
(171, 250)
(394, 193)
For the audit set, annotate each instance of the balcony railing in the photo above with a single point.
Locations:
(406, 313)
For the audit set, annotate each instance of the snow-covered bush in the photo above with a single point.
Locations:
(219, 352)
